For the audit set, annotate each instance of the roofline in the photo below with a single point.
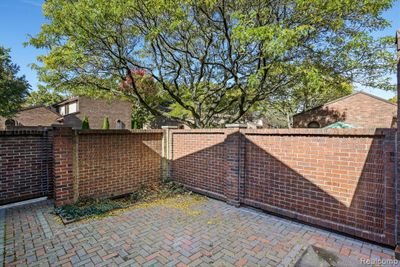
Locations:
(360, 92)
(347, 96)
(65, 101)
(34, 107)
(30, 107)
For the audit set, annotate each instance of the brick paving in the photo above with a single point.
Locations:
(212, 234)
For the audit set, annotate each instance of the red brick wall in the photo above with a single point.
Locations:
(340, 179)
(25, 165)
(359, 109)
(104, 163)
(115, 163)
(63, 159)
(198, 160)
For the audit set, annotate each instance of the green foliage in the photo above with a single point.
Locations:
(86, 208)
(393, 100)
(140, 116)
(139, 194)
(91, 207)
(106, 123)
(212, 60)
(171, 188)
(44, 96)
(303, 96)
(13, 89)
(85, 123)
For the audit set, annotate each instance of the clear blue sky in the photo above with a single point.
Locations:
(20, 18)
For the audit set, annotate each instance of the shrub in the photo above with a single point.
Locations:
(106, 123)
(85, 208)
(85, 123)
(139, 194)
(171, 188)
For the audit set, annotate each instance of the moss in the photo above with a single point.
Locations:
(181, 202)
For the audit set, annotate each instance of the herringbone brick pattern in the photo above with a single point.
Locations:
(212, 234)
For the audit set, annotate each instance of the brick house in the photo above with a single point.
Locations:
(33, 116)
(360, 109)
(74, 110)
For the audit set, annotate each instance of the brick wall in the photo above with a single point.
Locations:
(63, 171)
(340, 179)
(116, 164)
(25, 165)
(198, 160)
(98, 163)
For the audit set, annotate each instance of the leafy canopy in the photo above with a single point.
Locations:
(43, 96)
(304, 95)
(211, 61)
(13, 89)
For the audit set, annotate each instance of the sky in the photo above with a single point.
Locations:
(21, 18)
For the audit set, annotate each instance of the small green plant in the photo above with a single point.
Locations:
(88, 207)
(106, 123)
(171, 188)
(85, 123)
(139, 194)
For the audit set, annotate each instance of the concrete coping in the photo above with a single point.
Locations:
(316, 132)
(169, 127)
(117, 131)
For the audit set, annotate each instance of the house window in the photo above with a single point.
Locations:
(313, 124)
(68, 108)
(62, 110)
(73, 107)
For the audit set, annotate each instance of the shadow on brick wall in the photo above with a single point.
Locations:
(341, 182)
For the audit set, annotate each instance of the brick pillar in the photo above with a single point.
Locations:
(166, 152)
(63, 149)
(234, 147)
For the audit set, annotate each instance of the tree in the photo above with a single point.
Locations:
(393, 100)
(211, 61)
(13, 89)
(43, 96)
(85, 123)
(106, 123)
(305, 95)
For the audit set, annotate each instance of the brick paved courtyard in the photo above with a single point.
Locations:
(202, 233)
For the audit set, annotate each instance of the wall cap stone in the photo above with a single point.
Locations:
(118, 131)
